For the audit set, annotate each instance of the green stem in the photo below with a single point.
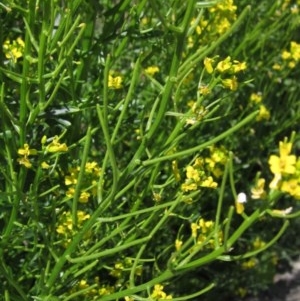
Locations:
(197, 148)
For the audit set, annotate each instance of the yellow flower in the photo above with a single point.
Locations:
(158, 293)
(13, 50)
(24, 161)
(256, 97)
(45, 165)
(258, 243)
(224, 65)
(238, 66)
(84, 197)
(204, 90)
(230, 83)
(194, 228)
(295, 51)
(283, 164)
(209, 182)
(151, 70)
(26, 151)
(258, 192)
(114, 82)
(292, 187)
(263, 113)
(276, 66)
(286, 55)
(55, 146)
(208, 65)
(249, 264)
(192, 173)
(285, 148)
(178, 244)
(205, 226)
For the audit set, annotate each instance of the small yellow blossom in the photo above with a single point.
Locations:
(286, 55)
(45, 165)
(230, 83)
(194, 228)
(70, 192)
(151, 70)
(192, 173)
(258, 191)
(292, 187)
(238, 66)
(158, 293)
(24, 161)
(204, 90)
(26, 151)
(249, 264)
(276, 66)
(55, 146)
(84, 197)
(224, 65)
(14, 50)
(295, 51)
(178, 244)
(258, 243)
(115, 82)
(209, 182)
(208, 65)
(282, 164)
(205, 226)
(263, 113)
(256, 97)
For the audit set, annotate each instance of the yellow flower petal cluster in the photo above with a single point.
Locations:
(115, 82)
(196, 177)
(91, 175)
(65, 227)
(25, 152)
(286, 170)
(14, 50)
(151, 70)
(158, 293)
(291, 57)
(55, 146)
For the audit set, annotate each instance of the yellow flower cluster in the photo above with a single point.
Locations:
(197, 112)
(264, 113)
(202, 229)
(292, 57)
(14, 50)
(249, 264)
(25, 152)
(65, 227)
(217, 160)
(196, 177)
(219, 19)
(151, 70)
(92, 290)
(115, 82)
(91, 176)
(53, 147)
(286, 170)
(225, 67)
(158, 293)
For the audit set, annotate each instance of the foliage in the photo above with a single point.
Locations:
(150, 149)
